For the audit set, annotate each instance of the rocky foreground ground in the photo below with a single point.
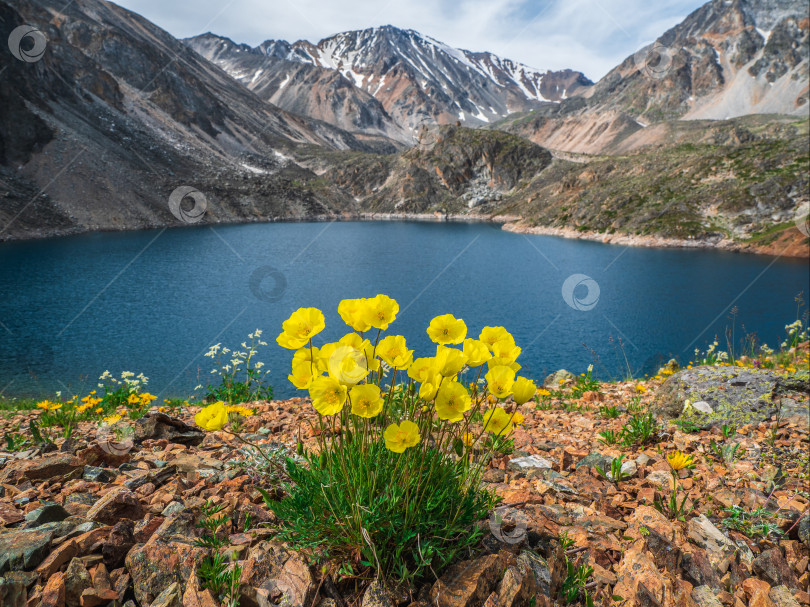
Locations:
(95, 520)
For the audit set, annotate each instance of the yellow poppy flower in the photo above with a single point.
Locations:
(328, 395)
(468, 439)
(394, 351)
(402, 436)
(347, 365)
(244, 411)
(523, 390)
(452, 401)
(213, 417)
(354, 312)
(422, 369)
(497, 421)
(448, 361)
(678, 460)
(541, 392)
(500, 380)
(640, 388)
(300, 327)
(366, 400)
(504, 352)
(491, 335)
(351, 339)
(302, 374)
(447, 329)
(291, 343)
(380, 311)
(475, 352)
(428, 389)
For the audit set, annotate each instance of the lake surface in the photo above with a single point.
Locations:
(154, 301)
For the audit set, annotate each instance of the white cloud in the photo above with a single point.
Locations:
(587, 35)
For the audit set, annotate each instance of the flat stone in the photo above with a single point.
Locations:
(173, 508)
(735, 396)
(783, 597)
(157, 565)
(375, 596)
(13, 590)
(703, 533)
(171, 597)
(98, 475)
(58, 557)
(77, 580)
(53, 595)
(757, 592)
(704, 597)
(531, 461)
(49, 513)
(772, 567)
(23, 549)
(517, 587)
(116, 504)
(43, 468)
(595, 459)
(553, 380)
(468, 583)
(157, 426)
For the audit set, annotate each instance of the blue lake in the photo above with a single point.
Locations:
(154, 301)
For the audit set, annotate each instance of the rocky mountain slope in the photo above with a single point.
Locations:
(737, 183)
(453, 170)
(117, 113)
(728, 58)
(415, 78)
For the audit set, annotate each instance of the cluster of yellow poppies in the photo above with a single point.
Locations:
(350, 370)
(216, 415)
(140, 400)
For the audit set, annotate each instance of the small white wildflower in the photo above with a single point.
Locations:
(198, 387)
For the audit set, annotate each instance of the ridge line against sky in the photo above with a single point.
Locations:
(591, 36)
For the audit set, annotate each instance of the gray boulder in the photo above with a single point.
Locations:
(735, 396)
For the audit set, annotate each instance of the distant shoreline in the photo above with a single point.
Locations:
(792, 246)
(787, 244)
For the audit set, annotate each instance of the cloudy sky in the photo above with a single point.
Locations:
(588, 35)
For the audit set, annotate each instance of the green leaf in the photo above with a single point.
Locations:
(617, 598)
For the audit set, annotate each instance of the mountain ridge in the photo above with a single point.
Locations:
(417, 79)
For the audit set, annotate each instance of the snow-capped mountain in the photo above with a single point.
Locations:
(415, 78)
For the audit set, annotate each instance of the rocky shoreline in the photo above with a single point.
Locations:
(787, 245)
(790, 243)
